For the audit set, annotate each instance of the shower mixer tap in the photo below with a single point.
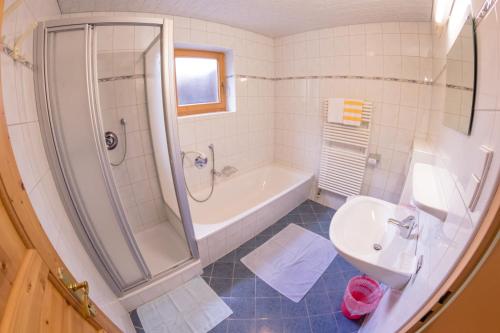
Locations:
(201, 160)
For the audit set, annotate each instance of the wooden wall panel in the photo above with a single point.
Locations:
(12, 252)
(24, 305)
(53, 312)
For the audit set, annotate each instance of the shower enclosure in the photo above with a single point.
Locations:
(107, 109)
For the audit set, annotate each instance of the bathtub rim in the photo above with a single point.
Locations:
(305, 176)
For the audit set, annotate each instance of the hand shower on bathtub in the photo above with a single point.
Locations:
(200, 161)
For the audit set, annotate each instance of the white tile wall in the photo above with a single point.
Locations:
(242, 137)
(401, 50)
(120, 53)
(443, 243)
(24, 130)
(451, 145)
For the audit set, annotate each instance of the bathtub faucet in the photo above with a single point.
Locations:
(226, 171)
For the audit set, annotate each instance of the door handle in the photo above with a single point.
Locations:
(80, 290)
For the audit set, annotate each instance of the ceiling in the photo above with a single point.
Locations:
(272, 18)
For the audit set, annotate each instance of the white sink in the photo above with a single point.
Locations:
(361, 225)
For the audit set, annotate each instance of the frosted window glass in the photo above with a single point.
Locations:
(197, 80)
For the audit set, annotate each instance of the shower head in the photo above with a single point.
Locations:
(123, 121)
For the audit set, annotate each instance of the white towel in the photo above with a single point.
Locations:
(335, 110)
(345, 111)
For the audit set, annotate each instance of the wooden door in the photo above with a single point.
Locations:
(37, 292)
(32, 298)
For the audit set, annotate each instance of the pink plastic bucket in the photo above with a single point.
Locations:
(361, 297)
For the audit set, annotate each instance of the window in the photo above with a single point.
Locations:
(200, 82)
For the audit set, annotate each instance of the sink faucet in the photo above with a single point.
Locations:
(407, 224)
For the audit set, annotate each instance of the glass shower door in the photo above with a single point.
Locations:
(107, 111)
(79, 149)
(130, 85)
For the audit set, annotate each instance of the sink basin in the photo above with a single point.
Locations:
(361, 233)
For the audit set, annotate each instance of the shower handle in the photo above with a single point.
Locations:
(200, 161)
(111, 140)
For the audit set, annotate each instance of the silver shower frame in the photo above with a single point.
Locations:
(173, 146)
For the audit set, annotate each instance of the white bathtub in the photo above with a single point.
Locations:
(244, 205)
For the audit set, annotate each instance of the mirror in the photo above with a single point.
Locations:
(461, 80)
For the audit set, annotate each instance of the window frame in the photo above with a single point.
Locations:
(193, 109)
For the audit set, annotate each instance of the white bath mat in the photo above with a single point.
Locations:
(191, 308)
(291, 261)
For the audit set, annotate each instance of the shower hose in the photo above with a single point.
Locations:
(124, 125)
(211, 147)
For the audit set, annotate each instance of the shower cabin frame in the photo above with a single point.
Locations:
(173, 146)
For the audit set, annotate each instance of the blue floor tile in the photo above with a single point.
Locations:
(334, 282)
(278, 227)
(346, 325)
(262, 289)
(268, 231)
(336, 299)
(323, 324)
(324, 217)
(314, 227)
(258, 308)
(343, 264)
(207, 271)
(305, 209)
(241, 326)
(290, 309)
(243, 307)
(318, 304)
(293, 219)
(269, 326)
(135, 320)
(308, 218)
(318, 287)
(334, 268)
(221, 286)
(268, 307)
(250, 244)
(296, 325)
(242, 271)
(223, 269)
(261, 239)
(241, 252)
(350, 274)
(228, 258)
(221, 328)
(324, 226)
(243, 287)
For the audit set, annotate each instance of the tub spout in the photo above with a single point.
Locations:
(226, 171)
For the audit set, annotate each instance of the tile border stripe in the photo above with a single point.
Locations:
(16, 58)
(121, 77)
(349, 77)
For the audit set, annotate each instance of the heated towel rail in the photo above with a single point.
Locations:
(344, 153)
